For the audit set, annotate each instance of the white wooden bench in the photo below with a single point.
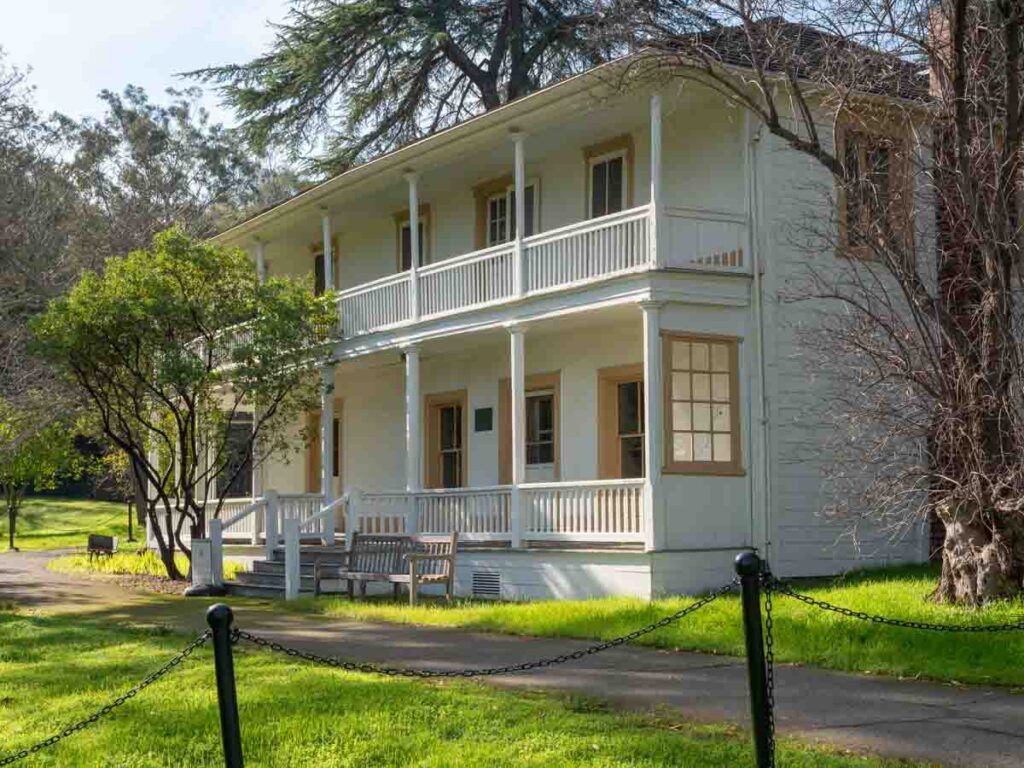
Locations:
(396, 560)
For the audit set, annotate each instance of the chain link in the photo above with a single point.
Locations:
(769, 659)
(366, 667)
(772, 584)
(106, 710)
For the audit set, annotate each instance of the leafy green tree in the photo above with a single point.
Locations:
(143, 167)
(173, 344)
(35, 454)
(365, 77)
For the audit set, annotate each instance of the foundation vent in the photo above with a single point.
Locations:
(486, 584)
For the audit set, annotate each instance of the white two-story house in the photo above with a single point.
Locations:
(560, 334)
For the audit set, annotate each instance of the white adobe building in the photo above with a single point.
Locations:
(605, 401)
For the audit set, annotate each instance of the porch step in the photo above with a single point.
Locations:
(260, 590)
(273, 581)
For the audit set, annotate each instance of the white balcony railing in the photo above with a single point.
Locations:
(588, 250)
(375, 306)
(474, 280)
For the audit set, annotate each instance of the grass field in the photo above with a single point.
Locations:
(58, 669)
(132, 563)
(45, 523)
(803, 634)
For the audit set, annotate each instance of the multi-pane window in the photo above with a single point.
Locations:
(501, 215)
(540, 428)
(607, 184)
(702, 394)
(630, 428)
(450, 447)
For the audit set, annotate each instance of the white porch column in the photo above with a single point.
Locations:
(658, 257)
(325, 225)
(519, 265)
(653, 428)
(261, 261)
(327, 447)
(414, 244)
(413, 435)
(517, 336)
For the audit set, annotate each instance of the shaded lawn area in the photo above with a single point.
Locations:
(803, 634)
(46, 523)
(58, 669)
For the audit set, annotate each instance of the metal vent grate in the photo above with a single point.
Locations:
(486, 584)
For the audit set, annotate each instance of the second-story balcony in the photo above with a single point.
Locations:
(561, 259)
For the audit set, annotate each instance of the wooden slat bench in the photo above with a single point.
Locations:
(396, 560)
(101, 546)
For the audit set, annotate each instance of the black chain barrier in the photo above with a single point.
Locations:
(106, 710)
(769, 663)
(369, 668)
(774, 585)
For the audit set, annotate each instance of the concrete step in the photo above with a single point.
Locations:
(251, 578)
(277, 567)
(260, 590)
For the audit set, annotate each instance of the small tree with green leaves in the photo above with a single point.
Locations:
(35, 454)
(173, 344)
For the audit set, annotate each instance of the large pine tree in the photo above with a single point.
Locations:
(348, 80)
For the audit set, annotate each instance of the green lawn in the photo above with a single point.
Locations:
(133, 563)
(57, 669)
(45, 523)
(802, 634)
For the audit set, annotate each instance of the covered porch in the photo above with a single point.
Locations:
(517, 436)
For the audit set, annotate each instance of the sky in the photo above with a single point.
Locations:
(76, 48)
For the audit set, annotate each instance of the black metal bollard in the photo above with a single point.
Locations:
(748, 566)
(219, 617)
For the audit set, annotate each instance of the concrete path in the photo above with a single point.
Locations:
(940, 724)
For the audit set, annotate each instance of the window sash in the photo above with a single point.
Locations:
(540, 428)
(608, 184)
(702, 402)
(406, 244)
(500, 224)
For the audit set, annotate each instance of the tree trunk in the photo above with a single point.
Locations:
(982, 559)
(12, 517)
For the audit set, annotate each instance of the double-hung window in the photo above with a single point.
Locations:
(877, 195)
(608, 183)
(540, 428)
(500, 224)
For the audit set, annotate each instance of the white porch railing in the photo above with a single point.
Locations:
(697, 238)
(596, 510)
(589, 510)
(588, 250)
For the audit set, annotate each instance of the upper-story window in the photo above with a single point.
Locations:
(405, 237)
(496, 210)
(319, 273)
(609, 176)
(876, 200)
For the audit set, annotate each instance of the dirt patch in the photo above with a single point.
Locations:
(141, 583)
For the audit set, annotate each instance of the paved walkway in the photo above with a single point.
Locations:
(940, 724)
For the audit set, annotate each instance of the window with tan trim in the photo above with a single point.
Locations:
(543, 403)
(620, 407)
(446, 434)
(610, 173)
(496, 210)
(876, 204)
(702, 403)
(403, 237)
